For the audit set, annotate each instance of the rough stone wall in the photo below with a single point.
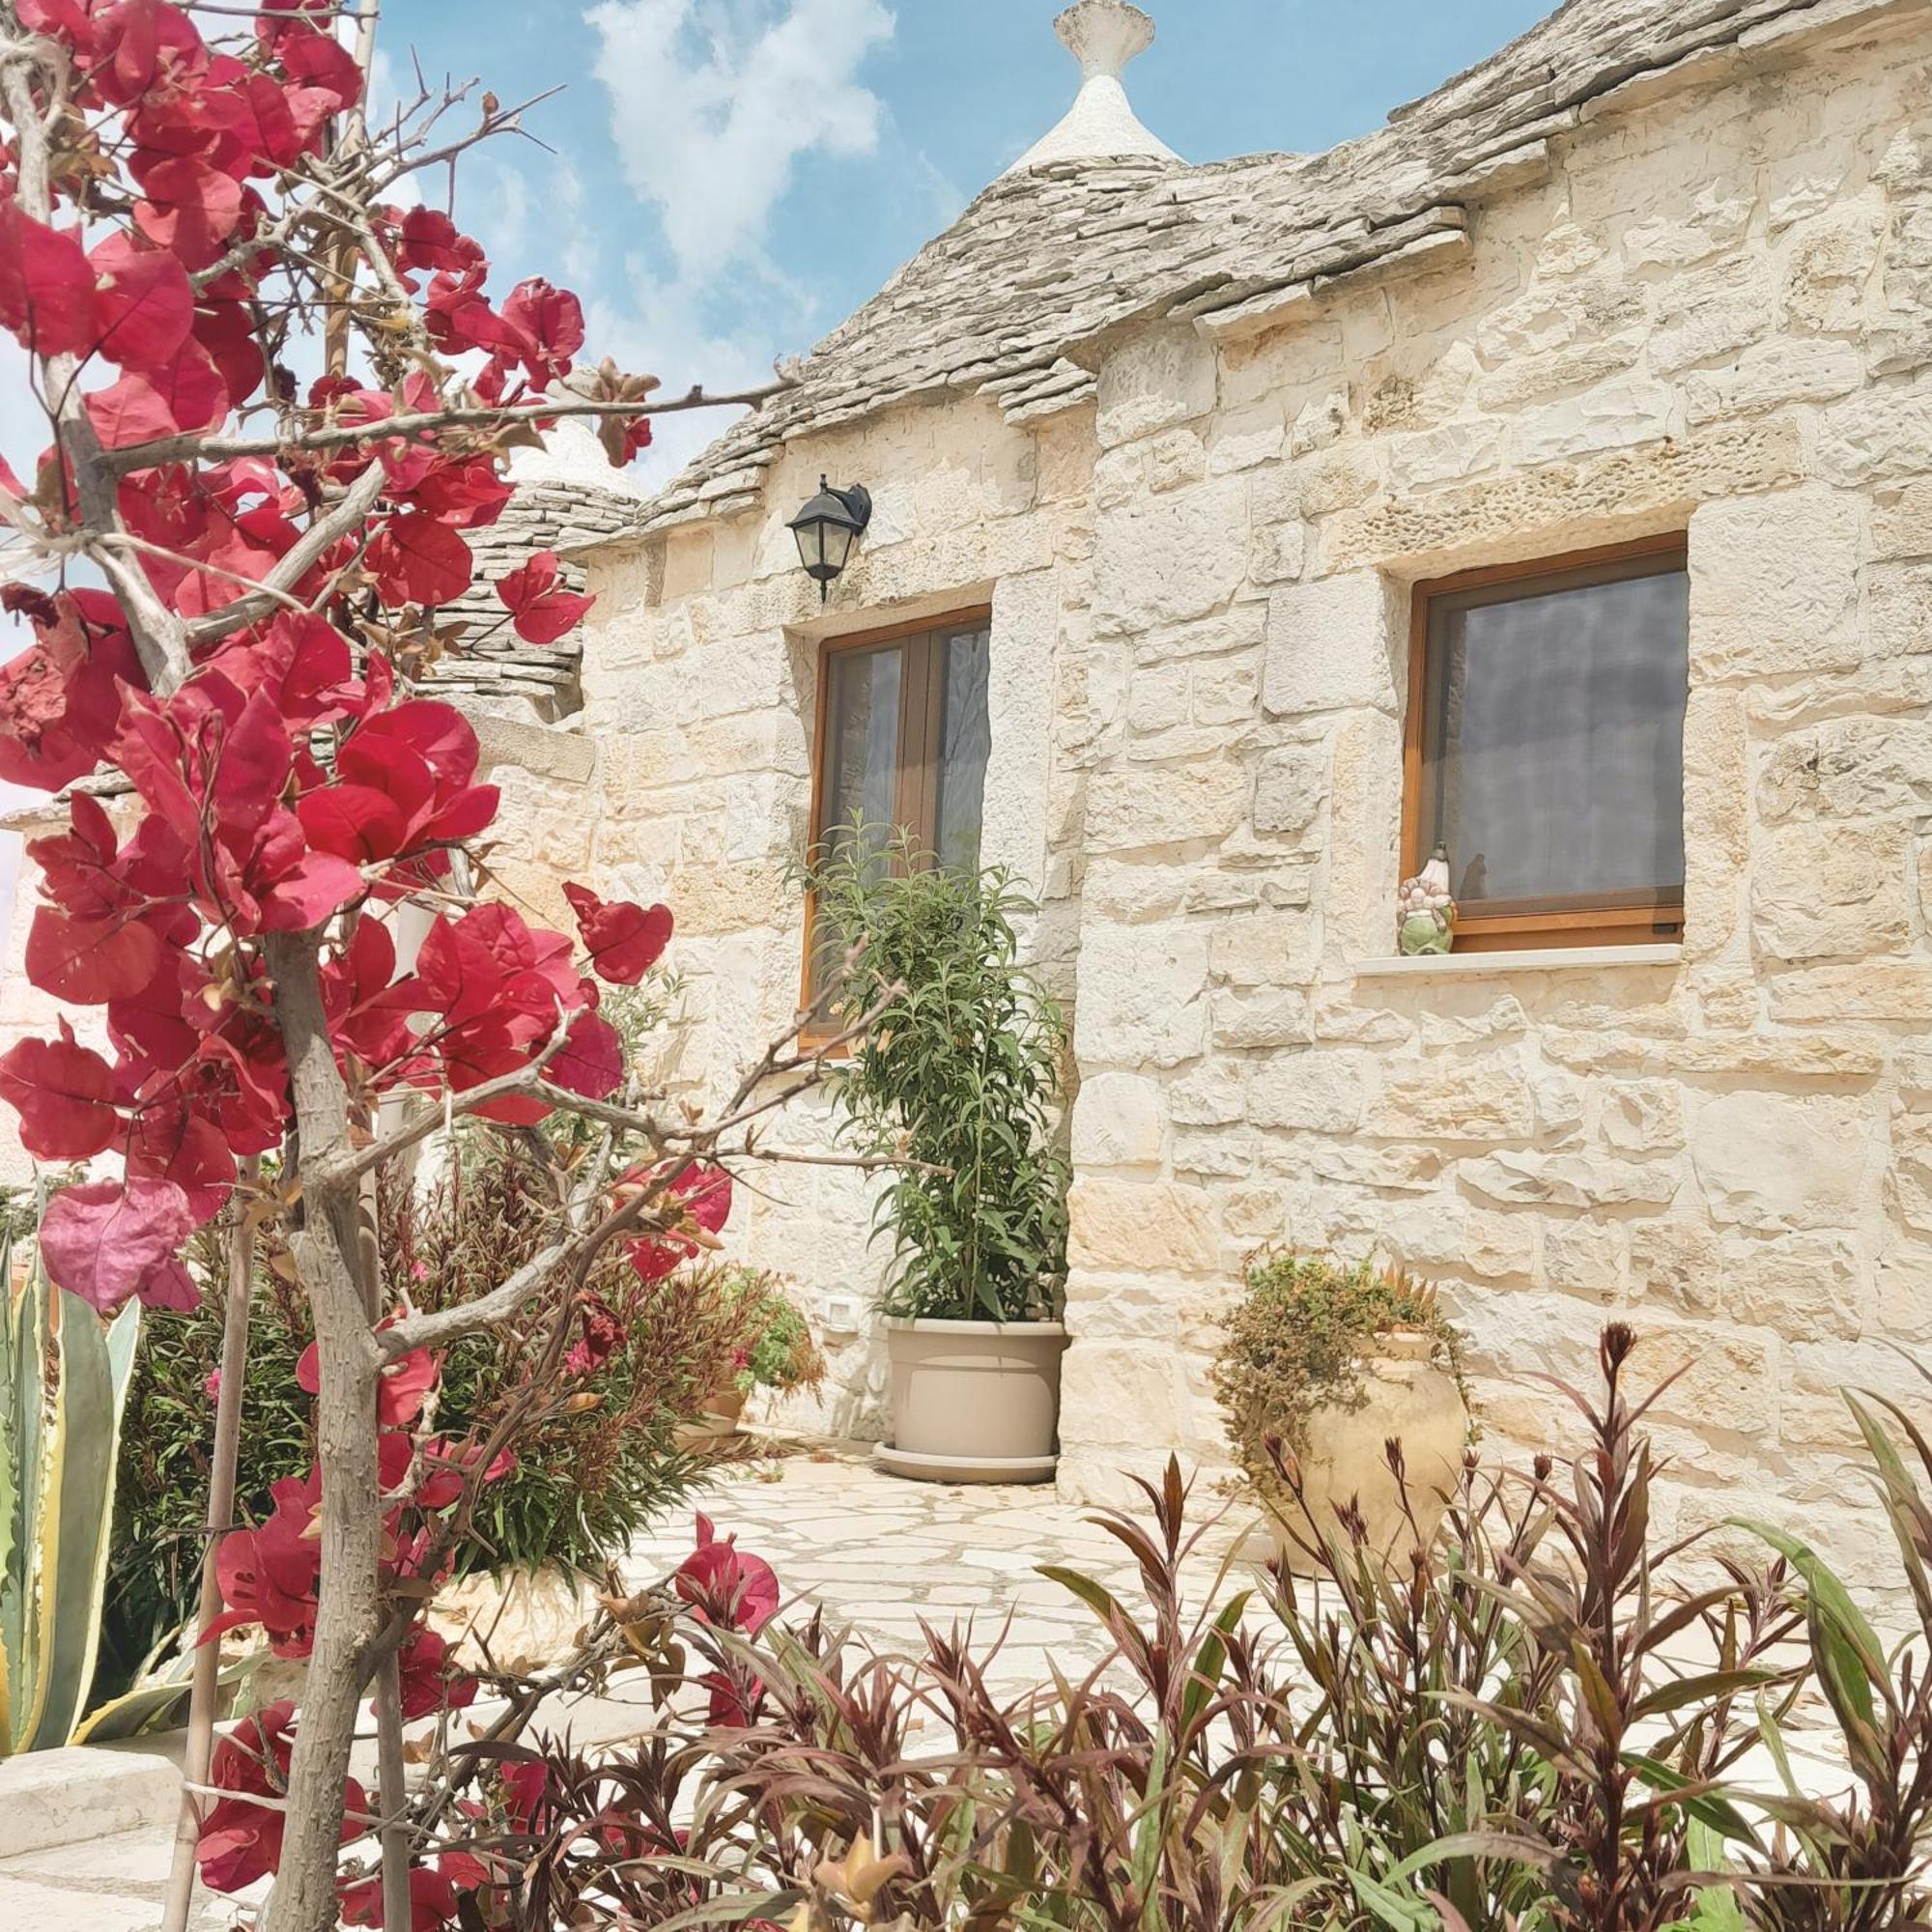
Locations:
(1716, 315)
(701, 671)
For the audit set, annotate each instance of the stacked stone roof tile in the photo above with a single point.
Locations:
(493, 666)
(1051, 258)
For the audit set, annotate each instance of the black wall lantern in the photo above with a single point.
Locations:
(827, 529)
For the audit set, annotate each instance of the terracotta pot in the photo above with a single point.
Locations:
(1409, 1399)
(974, 1401)
(717, 1422)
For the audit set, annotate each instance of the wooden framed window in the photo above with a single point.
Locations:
(903, 738)
(1546, 747)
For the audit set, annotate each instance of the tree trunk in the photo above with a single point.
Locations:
(327, 1256)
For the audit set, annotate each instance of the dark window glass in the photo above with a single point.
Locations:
(863, 738)
(966, 742)
(1553, 740)
(907, 734)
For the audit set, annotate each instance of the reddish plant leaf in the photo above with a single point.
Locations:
(104, 1242)
(47, 287)
(63, 1093)
(91, 961)
(146, 304)
(419, 560)
(624, 941)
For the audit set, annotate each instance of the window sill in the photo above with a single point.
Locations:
(1543, 959)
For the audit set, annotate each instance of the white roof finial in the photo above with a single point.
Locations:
(1104, 36)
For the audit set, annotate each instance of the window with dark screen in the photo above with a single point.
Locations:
(1546, 747)
(905, 735)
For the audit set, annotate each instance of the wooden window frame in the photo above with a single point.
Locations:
(921, 726)
(1633, 922)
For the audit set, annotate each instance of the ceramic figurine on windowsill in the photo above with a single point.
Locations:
(1426, 911)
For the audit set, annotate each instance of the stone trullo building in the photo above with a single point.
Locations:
(1549, 472)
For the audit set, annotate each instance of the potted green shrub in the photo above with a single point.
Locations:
(774, 1351)
(1324, 1365)
(955, 1082)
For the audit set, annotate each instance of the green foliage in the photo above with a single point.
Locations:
(958, 1078)
(775, 1349)
(586, 1482)
(1299, 1338)
(63, 1382)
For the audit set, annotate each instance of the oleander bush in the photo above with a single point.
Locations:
(956, 1080)
(586, 1478)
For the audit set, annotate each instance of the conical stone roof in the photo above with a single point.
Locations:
(1060, 251)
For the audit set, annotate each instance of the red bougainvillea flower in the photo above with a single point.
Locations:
(433, 1892)
(240, 1841)
(542, 606)
(47, 286)
(624, 941)
(404, 782)
(401, 1389)
(602, 1336)
(63, 1093)
(430, 1681)
(109, 1241)
(449, 1468)
(60, 697)
(703, 1194)
(727, 1587)
(269, 1575)
(499, 990)
(419, 559)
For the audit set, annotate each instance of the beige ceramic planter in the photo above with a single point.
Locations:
(718, 1423)
(1409, 1399)
(529, 1618)
(974, 1401)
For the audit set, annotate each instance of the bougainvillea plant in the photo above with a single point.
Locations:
(279, 391)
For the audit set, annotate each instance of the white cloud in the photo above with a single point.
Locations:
(713, 104)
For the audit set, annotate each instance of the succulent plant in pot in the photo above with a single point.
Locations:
(957, 1081)
(774, 1350)
(1321, 1365)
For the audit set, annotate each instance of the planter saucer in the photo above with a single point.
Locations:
(921, 1467)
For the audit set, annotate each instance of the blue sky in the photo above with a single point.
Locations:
(731, 178)
(734, 177)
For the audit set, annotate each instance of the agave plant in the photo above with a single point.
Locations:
(59, 1439)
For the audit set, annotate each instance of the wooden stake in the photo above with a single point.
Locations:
(219, 1520)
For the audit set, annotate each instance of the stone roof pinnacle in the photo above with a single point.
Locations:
(1104, 36)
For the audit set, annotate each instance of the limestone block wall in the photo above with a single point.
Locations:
(701, 669)
(1715, 316)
